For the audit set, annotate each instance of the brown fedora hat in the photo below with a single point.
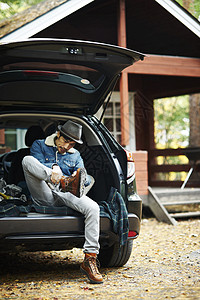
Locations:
(71, 130)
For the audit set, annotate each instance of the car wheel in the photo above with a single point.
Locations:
(115, 256)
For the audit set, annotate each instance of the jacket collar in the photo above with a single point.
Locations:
(50, 141)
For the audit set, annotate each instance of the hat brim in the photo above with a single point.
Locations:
(69, 136)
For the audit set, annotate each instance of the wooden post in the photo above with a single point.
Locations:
(124, 101)
(2, 137)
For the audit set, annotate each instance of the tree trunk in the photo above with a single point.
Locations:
(194, 140)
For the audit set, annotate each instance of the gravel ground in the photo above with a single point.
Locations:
(165, 264)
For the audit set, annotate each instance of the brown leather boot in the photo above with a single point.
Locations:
(74, 184)
(90, 268)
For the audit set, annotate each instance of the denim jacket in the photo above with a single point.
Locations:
(46, 152)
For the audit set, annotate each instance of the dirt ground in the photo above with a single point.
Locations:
(165, 264)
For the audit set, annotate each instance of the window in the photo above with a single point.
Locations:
(14, 138)
(112, 118)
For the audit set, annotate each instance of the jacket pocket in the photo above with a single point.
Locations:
(50, 159)
(69, 163)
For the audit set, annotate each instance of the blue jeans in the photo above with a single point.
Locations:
(37, 177)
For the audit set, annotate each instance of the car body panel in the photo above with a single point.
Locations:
(46, 232)
(71, 75)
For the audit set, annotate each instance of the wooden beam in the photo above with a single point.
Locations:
(124, 101)
(170, 168)
(122, 24)
(2, 137)
(167, 65)
(124, 109)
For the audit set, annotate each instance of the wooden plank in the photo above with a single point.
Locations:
(167, 65)
(170, 168)
(167, 152)
(158, 209)
(188, 193)
(175, 183)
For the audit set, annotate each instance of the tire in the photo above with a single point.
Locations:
(115, 256)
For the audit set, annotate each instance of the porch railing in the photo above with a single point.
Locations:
(154, 169)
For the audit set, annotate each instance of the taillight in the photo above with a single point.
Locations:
(130, 166)
(132, 233)
(41, 73)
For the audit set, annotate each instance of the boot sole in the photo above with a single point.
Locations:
(92, 281)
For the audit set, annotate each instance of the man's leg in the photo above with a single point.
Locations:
(36, 175)
(91, 212)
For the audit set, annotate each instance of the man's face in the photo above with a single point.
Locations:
(63, 144)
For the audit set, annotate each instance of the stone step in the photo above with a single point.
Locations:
(178, 195)
(185, 214)
(188, 202)
(160, 201)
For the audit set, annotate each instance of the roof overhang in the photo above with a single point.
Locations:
(71, 6)
(46, 20)
(167, 66)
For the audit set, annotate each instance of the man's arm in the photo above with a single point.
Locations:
(37, 151)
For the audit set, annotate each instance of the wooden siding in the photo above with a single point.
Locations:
(141, 172)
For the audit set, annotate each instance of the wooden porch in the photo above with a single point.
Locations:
(170, 68)
(169, 200)
(193, 167)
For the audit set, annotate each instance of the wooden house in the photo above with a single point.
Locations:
(162, 29)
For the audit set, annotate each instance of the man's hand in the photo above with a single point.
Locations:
(74, 173)
(56, 174)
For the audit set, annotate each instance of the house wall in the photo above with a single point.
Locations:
(141, 173)
(98, 21)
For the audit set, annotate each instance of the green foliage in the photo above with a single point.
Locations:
(172, 131)
(10, 7)
(172, 122)
(193, 6)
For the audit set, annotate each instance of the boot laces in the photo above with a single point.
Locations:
(94, 264)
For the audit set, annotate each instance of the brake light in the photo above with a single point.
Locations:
(41, 73)
(132, 233)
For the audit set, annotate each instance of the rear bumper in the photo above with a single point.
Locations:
(38, 232)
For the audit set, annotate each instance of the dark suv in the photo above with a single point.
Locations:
(45, 82)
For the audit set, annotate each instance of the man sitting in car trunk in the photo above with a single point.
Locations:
(55, 176)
